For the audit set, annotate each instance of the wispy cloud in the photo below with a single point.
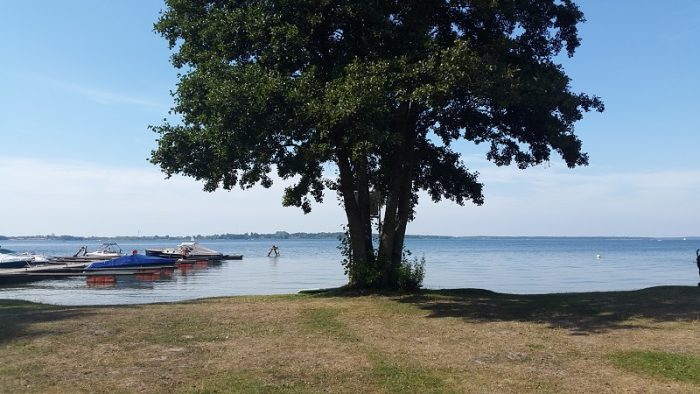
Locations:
(101, 95)
(107, 97)
(84, 198)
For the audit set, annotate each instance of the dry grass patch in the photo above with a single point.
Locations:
(446, 341)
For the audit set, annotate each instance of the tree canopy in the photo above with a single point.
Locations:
(379, 89)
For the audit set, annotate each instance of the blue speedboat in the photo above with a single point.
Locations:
(134, 261)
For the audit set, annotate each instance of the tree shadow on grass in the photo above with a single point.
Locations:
(18, 319)
(582, 313)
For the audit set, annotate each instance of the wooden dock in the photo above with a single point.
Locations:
(42, 272)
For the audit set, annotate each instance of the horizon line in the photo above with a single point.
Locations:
(276, 235)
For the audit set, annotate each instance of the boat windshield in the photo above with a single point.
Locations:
(110, 247)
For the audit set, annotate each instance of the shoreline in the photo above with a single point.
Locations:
(342, 292)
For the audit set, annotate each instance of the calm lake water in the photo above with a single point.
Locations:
(511, 265)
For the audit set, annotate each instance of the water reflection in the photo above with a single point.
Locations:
(142, 279)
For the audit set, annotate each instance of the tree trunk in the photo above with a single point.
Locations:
(399, 199)
(365, 270)
(355, 194)
(387, 236)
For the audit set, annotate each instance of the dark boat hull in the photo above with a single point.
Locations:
(15, 264)
(216, 257)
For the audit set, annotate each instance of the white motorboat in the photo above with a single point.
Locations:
(15, 261)
(34, 258)
(108, 251)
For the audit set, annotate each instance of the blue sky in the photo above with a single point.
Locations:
(82, 80)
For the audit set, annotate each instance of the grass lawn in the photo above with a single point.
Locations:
(436, 341)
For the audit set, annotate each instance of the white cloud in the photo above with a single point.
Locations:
(41, 197)
(559, 201)
(86, 199)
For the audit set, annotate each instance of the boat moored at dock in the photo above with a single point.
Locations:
(15, 261)
(31, 257)
(107, 251)
(191, 251)
(130, 263)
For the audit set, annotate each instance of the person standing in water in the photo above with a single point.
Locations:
(697, 253)
(275, 250)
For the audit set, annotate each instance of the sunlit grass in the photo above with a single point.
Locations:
(395, 378)
(241, 383)
(324, 321)
(682, 367)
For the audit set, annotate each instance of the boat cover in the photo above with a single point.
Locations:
(134, 260)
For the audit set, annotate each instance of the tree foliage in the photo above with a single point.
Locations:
(380, 89)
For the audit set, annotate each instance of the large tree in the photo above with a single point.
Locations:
(374, 91)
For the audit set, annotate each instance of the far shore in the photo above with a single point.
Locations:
(283, 235)
(462, 340)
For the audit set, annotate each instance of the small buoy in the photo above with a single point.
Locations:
(598, 257)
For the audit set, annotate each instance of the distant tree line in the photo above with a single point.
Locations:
(244, 236)
(248, 235)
